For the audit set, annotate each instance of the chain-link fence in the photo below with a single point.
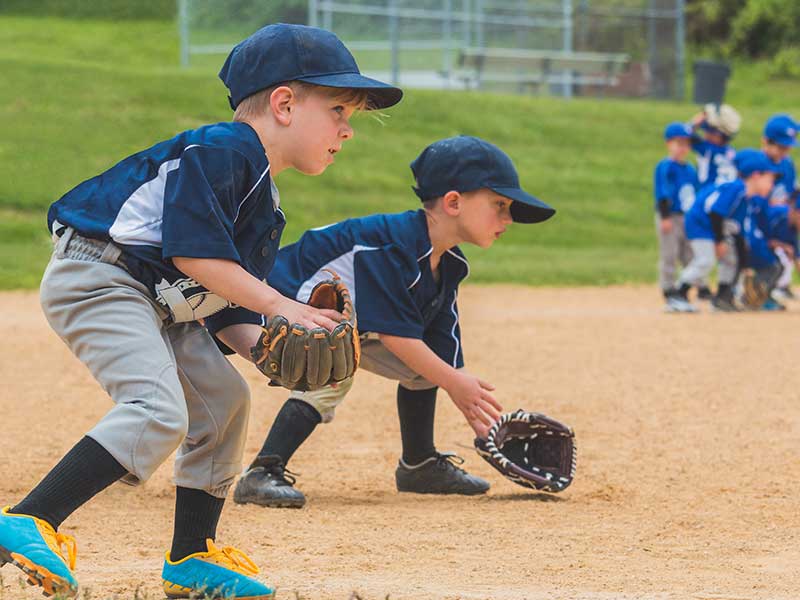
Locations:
(553, 47)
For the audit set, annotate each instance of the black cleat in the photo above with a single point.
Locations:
(268, 483)
(438, 474)
(723, 305)
(703, 293)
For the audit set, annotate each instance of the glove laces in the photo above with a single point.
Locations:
(233, 558)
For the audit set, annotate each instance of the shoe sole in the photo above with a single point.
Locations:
(445, 493)
(175, 591)
(51, 584)
(271, 503)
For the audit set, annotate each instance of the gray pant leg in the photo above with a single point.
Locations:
(729, 264)
(669, 245)
(218, 401)
(108, 321)
(701, 264)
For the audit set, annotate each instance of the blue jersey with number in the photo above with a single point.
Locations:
(205, 193)
(715, 164)
(728, 200)
(385, 261)
(771, 223)
(785, 185)
(676, 182)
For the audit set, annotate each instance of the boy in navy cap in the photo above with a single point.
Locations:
(780, 137)
(675, 185)
(185, 230)
(403, 271)
(715, 226)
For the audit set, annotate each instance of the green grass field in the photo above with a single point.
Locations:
(77, 96)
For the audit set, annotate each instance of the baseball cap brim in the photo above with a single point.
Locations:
(379, 94)
(525, 208)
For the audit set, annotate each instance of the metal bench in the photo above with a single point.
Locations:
(534, 68)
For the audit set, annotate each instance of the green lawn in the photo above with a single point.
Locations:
(77, 96)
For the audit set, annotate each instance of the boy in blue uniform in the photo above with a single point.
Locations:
(675, 185)
(715, 226)
(715, 155)
(185, 230)
(780, 136)
(770, 232)
(403, 271)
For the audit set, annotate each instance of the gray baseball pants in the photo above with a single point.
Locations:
(673, 248)
(703, 259)
(171, 386)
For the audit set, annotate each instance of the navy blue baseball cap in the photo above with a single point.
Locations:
(466, 163)
(749, 161)
(280, 53)
(675, 130)
(782, 130)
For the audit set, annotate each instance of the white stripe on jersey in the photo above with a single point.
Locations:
(342, 265)
(419, 275)
(138, 222)
(453, 330)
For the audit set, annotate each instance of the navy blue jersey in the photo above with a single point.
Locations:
(384, 260)
(676, 182)
(728, 200)
(771, 222)
(785, 186)
(714, 163)
(205, 193)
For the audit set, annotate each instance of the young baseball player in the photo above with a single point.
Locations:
(715, 155)
(770, 231)
(404, 271)
(675, 188)
(780, 136)
(179, 232)
(715, 226)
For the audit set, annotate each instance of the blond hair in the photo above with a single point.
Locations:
(255, 105)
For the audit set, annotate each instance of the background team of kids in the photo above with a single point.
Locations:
(189, 230)
(739, 210)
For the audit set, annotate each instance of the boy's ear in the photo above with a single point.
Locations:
(451, 203)
(281, 103)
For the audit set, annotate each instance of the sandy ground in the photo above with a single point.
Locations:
(687, 485)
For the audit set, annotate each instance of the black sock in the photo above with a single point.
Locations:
(724, 291)
(295, 422)
(416, 409)
(196, 517)
(86, 470)
(684, 290)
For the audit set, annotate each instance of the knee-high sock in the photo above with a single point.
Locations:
(416, 409)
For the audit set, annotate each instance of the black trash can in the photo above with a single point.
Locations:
(709, 81)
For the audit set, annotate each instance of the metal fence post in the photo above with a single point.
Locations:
(183, 29)
(680, 49)
(566, 7)
(447, 35)
(394, 38)
(312, 12)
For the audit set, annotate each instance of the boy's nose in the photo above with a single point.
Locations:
(347, 132)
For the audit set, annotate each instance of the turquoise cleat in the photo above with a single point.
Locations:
(219, 573)
(34, 546)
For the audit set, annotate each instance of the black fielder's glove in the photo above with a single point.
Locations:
(299, 358)
(531, 450)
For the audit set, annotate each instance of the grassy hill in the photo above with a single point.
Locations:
(77, 96)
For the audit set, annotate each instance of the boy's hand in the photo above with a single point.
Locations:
(720, 249)
(473, 398)
(666, 225)
(308, 316)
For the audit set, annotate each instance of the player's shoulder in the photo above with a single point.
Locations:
(237, 140)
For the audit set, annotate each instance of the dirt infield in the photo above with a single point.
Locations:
(687, 487)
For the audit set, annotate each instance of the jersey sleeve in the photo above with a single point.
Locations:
(384, 304)
(201, 202)
(664, 186)
(443, 334)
